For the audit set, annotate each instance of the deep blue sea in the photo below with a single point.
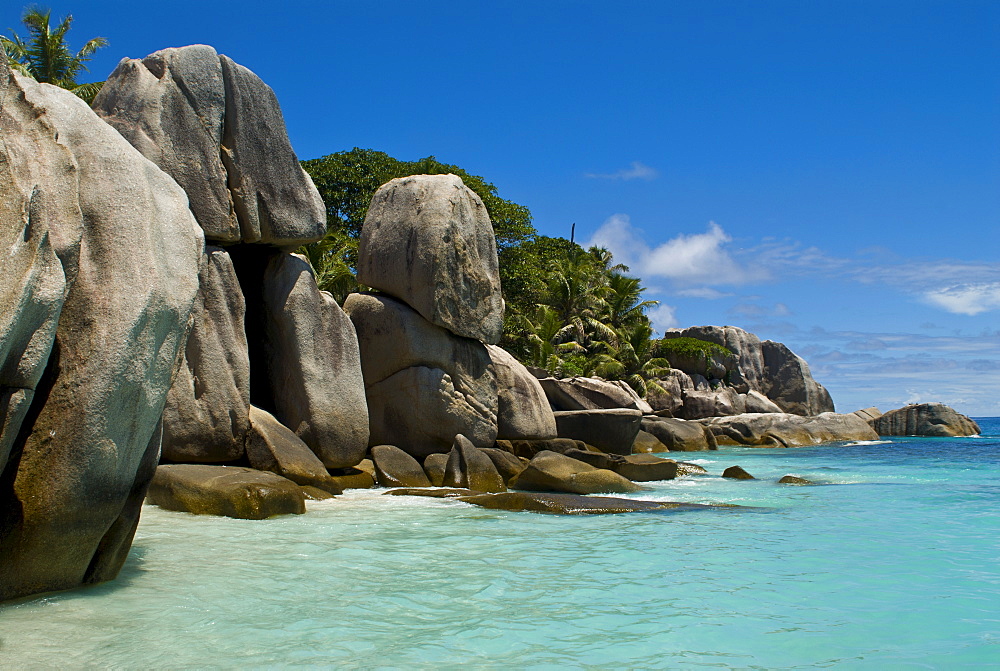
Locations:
(892, 562)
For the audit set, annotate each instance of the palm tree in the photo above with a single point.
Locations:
(623, 304)
(333, 259)
(46, 57)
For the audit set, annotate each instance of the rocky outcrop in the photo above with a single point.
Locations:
(787, 430)
(395, 468)
(313, 363)
(428, 241)
(554, 472)
(424, 384)
(767, 367)
(522, 409)
(217, 129)
(78, 467)
(434, 466)
(646, 443)
(924, 419)
(737, 473)
(271, 446)
(611, 431)
(470, 468)
(229, 491)
(591, 393)
(206, 417)
(573, 504)
(794, 480)
(679, 435)
(868, 414)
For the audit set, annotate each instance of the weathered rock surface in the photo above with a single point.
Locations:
(424, 384)
(522, 410)
(925, 419)
(529, 448)
(313, 364)
(717, 402)
(470, 468)
(687, 468)
(78, 473)
(868, 414)
(507, 465)
(428, 241)
(790, 384)
(315, 493)
(646, 443)
(646, 468)
(794, 480)
(395, 468)
(229, 491)
(451, 493)
(434, 466)
(271, 446)
(611, 431)
(787, 430)
(206, 417)
(680, 435)
(756, 402)
(352, 478)
(737, 473)
(573, 504)
(591, 393)
(171, 106)
(554, 472)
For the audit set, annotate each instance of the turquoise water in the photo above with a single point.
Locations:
(893, 563)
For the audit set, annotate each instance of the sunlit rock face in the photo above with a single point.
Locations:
(89, 207)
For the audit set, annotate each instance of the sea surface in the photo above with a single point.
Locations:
(892, 562)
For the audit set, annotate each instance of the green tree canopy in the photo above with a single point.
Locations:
(46, 57)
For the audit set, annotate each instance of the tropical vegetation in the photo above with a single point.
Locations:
(45, 56)
(571, 311)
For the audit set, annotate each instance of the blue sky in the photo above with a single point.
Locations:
(826, 174)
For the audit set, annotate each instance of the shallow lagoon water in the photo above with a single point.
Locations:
(891, 563)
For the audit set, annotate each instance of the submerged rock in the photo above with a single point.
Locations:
(428, 241)
(737, 473)
(228, 491)
(573, 504)
(352, 478)
(925, 419)
(451, 493)
(794, 480)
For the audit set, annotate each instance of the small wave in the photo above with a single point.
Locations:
(868, 442)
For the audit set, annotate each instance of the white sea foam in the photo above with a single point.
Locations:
(868, 442)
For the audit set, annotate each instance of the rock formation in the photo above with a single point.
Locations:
(924, 419)
(787, 430)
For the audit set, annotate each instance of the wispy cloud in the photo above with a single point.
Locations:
(662, 317)
(755, 311)
(698, 260)
(966, 299)
(636, 170)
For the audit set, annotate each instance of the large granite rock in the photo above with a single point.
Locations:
(171, 106)
(868, 414)
(523, 412)
(554, 472)
(790, 384)
(611, 431)
(470, 468)
(788, 430)
(680, 435)
(591, 393)
(424, 384)
(271, 446)
(229, 491)
(313, 363)
(716, 402)
(924, 419)
(754, 401)
(206, 417)
(428, 241)
(217, 129)
(76, 474)
(395, 468)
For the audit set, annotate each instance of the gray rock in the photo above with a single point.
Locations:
(523, 412)
(554, 472)
(647, 443)
(229, 491)
(686, 468)
(86, 460)
(794, 480)
(868, 414)
(591, 393)
(790, 384)
(754, 401)
(428, 241)
(679, 435)
(611, 431)
(424, 384)
(470, 468)
(646, 468)
(745, 345)
(737, 473)
(395, 468)
(275, 200)
(206, 417)
(313, 364)
(669, 399)
(925, 419)
(507, 465)
(171, 106)
(352, 478)
(434, 466)
(717, 402)
(787, 430)
(271, 446)
(527, 449)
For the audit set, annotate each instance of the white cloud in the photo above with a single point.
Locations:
(637, 170)
(696, 259)
(968, 299)
(706, 293)
(662, 317)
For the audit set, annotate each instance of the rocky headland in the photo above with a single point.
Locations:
(160, 340)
